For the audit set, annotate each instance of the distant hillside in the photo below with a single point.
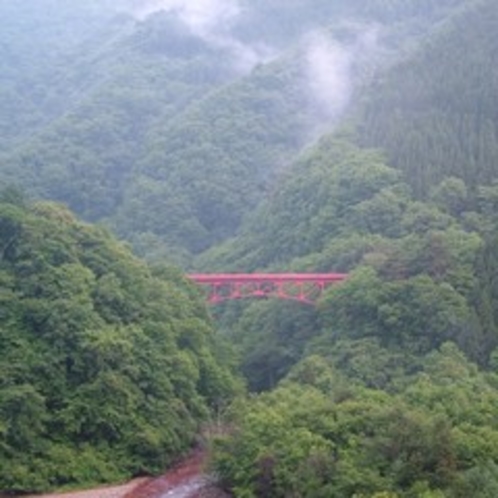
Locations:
(420, 226)
(433, 117)
(166, 134)
(435, 114)
(38, 38)
(296, 136)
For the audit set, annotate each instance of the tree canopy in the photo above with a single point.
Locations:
(108, 367)
(302, 136)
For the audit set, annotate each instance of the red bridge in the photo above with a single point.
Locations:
(302, 287)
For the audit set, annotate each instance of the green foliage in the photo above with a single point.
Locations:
(431, 437)
(109, 366)
(434, 113)
(271, 337)
(417, 314)
(170, 137)
(412, 283)
(102, 360)
(391, 408)
(323, 197)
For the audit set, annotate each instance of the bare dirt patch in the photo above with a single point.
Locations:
(104, 492)
(186, 480)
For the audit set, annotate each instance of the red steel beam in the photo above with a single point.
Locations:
(303, 287)
(212, 278)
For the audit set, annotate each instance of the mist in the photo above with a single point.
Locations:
(328, 74)
(201, 16)
(212, 21)
(330, 70)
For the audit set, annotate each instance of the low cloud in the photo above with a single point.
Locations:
(328, 74)
(330, 69)
(210, 20)
(201, 16)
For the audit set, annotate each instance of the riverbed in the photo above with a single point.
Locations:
(185, 480)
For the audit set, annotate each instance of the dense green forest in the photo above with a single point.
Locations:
(108, 368)
(303, 136)
(325, 432)
(129, 117)
(435, 113)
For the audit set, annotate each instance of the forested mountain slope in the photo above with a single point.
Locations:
(343, 209)
(340, 206)
(323, 434)
(273, 136)
(107, 367)
(375, 395)
(435, 113)
(84, 157)
(36, 40)
(171, 133)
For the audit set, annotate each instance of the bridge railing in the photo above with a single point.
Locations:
(303, 287)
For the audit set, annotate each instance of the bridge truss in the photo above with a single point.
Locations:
(302, 287)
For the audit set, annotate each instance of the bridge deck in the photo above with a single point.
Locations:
(303, 287)
(208, 278)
